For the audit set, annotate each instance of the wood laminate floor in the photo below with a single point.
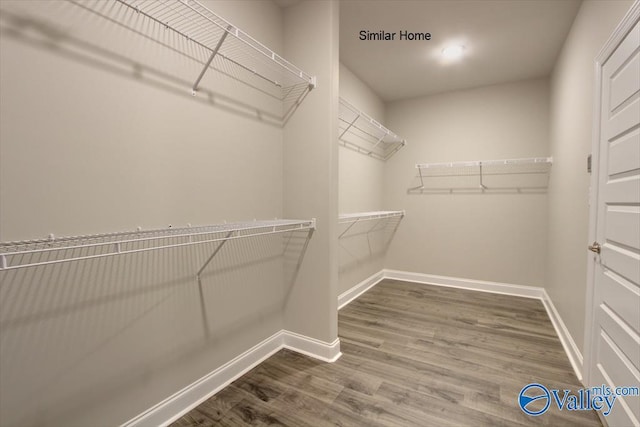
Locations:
(413, 355)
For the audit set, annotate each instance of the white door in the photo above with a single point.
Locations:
(613, 352)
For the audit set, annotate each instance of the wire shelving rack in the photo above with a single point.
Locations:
(481, 170)
(360, 132)
(367, 216)
(357, 217)
(53, 250)
(241, 54)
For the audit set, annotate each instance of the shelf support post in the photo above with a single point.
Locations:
(481, 184)
(213, 54)
(213, 255)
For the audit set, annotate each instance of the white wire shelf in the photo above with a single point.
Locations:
(533, 172)
(540, 163)
(31, 253)
(357, 217)
(360, 132)
(241, 53)
(367, 216)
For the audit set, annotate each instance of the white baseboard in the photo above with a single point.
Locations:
(175, 406)
(569, 345)
(359, 289)
(327, 352)
(191, 396)
(470, 284)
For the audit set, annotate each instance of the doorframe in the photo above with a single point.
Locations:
(622, 29)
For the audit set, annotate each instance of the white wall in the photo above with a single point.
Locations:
(361, 186)
(361, 176)
(572, 90)
(108, 148)
(311, 169)
(494, 236)
(99, 133)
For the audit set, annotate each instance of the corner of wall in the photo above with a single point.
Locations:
(311, 168)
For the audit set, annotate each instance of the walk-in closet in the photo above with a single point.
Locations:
(319, 212)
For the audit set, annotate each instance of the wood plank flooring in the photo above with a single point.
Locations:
(413, 355)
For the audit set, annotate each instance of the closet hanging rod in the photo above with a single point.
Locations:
(104, 245)
(200, 25)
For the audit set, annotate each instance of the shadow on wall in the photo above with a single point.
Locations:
(78, 338)
(110, 36)
(365, 241)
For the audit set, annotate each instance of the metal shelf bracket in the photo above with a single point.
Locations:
(194, 89)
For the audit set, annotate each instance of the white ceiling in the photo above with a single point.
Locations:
(505, 40)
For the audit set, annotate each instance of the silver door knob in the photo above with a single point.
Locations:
(595, 247)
